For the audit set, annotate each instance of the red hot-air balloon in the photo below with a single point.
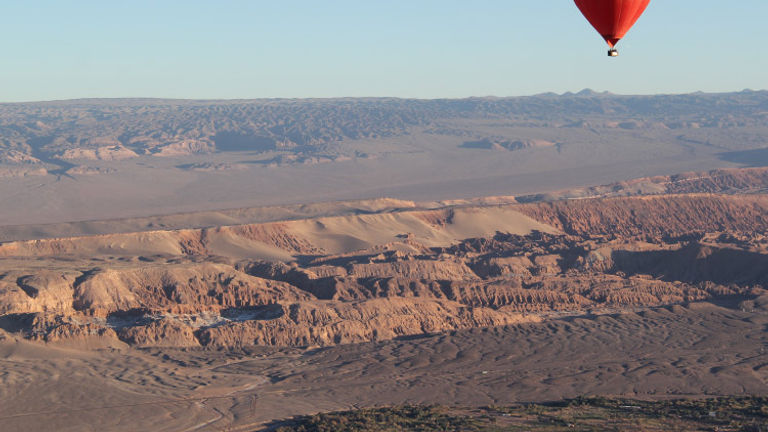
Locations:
(612, 18)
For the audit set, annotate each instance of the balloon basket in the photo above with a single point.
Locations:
(613, 53)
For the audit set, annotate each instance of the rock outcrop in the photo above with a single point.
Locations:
(334, 323)
(360, 278)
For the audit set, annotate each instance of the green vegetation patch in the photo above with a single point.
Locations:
(737, 414)
(402, 418)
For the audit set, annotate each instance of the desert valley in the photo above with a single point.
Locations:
(229, 265)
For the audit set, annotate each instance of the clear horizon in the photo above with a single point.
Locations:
(573, 92)
(430, 50)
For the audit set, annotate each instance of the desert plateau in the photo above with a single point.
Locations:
(173, 265)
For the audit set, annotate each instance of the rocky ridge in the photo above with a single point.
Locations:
(358, 278)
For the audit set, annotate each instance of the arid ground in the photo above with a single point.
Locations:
(87, 160)
(643, 277)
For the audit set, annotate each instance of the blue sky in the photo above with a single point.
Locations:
(405, 48)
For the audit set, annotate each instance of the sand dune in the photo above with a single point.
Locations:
(282, 239)
(470, 301)
(315, 281)
(201, 219)
(744, 180)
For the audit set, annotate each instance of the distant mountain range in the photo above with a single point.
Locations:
(107, 129)
(110, 158)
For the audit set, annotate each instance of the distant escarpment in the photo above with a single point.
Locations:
(654, 216)
(728, 181)
(358, 278)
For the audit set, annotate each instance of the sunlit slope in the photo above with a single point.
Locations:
(283, 240)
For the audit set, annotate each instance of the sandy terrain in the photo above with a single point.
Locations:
(650, 296)
(96, 160)
(391, 273)
(744, 180)
(192, 265)
(668, 352)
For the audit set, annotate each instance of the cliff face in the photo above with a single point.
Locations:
(375, 277)
(178, 289)
(723, 181)
(654, 216)
(334, 323)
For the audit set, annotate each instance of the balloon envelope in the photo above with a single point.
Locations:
(612, 18)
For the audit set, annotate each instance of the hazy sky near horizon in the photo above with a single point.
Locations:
(405, 48)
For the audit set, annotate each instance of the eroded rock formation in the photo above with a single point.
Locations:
(373, 277)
